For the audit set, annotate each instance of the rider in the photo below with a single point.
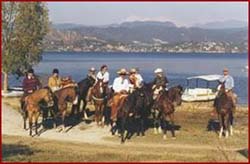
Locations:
(160, 82)
(92, 74)
(54, 80)
(135, 79)
(229, 84)
(30, 84)
(103, 74)
(121, 88)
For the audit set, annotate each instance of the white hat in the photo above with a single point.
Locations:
(122, 71)
(158, 70)
(92, 69)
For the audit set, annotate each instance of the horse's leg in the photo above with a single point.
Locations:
(102, 118)
(142, 126)
(84, 109)
(63, 119)
(24, 120)
(227, 124)
(123, 121)
(231, 123)
(36, 119)
(221, 125)
(164, 126)
(30, 115)
(171, 116)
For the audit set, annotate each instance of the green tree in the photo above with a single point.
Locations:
(24, 26)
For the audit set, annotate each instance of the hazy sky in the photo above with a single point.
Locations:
(189, 13)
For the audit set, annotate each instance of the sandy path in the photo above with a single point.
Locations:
(12, 124)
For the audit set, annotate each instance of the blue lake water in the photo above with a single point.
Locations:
(177, 66)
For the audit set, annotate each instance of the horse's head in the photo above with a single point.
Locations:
(48, 96)
(221, 88)
(98, 89)
(175, 93)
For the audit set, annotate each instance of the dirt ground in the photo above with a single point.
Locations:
(195, 140)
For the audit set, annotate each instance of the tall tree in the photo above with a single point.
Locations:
(24, 26)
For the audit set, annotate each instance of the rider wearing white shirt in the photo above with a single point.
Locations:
(103, 74)
(121, 84)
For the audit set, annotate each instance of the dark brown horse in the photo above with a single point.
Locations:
(62, 97)
(164, 106)
(83, 88)
(32, 106)
(98, 97)
(224, 107)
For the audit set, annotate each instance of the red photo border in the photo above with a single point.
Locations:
(179, 1)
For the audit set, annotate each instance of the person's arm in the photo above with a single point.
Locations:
(115, 85)
(106, 77)
(50, 82)
(126, 85)
(25, 87)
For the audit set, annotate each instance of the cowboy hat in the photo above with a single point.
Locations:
(122, 71)
(132, 70)
(158, 70)
(92, 69)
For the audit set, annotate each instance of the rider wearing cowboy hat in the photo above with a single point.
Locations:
(91, 73)
(121, 84)
(135, 79)
(121, 88)
(160, 82)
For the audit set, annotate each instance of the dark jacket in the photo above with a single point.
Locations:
(160, 81)
(30, 85)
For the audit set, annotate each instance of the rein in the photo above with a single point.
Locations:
(98, 99)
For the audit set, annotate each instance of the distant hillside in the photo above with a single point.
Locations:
(223, 24)
(166, 31)
(128, 36)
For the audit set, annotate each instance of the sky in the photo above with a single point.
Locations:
(182, 14)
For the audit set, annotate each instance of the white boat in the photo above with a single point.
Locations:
(198, 93)
(13, 92)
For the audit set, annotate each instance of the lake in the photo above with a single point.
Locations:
(177, 66)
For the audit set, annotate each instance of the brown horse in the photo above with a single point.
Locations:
(62, 97)
(164, 106)
(98, 97)
(224, 107)
(32, 106)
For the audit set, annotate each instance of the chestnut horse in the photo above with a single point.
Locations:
(98, 96)
(224, 108)
(165, 107)
(62, 97)
(32, 106)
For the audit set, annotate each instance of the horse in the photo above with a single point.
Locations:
(134, 112)
(224, 107)
(98, 96)
(83, 88)
(61, 98)
(165, 106)
(32, 106)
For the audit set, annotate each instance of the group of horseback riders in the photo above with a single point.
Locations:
(123, 87)
(124, 84)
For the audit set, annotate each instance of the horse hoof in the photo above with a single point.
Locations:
(173, 138)
(164, 137)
